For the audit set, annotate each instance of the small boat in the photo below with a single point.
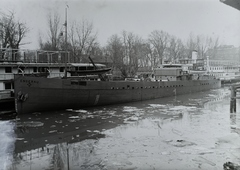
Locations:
(39, 94)
(79, 69)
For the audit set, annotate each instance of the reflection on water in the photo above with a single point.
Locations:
(235, 119)
(192, 131)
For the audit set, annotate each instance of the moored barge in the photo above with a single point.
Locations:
(39, 94)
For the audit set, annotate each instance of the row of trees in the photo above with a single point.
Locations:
(81, 38)
(127, 50)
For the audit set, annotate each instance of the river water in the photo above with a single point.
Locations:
(194, 131)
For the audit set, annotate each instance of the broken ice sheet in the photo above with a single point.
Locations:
(181, 143)
(231, 140)
(177, 132)
(157, 105)
(133, 118)
(204, 160)
(79, 111)
(74, 117)
(178, 108)
(30, 124)
(165, 153)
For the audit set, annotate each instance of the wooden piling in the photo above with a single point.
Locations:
(233, 102)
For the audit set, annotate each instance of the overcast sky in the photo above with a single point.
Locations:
(177, 17)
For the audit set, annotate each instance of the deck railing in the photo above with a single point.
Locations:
(34, 56)
(5, 94)
(6, 76)
(11, 76)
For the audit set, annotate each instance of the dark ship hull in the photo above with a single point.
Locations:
(37, 94)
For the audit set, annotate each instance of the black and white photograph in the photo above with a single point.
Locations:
(119, 84)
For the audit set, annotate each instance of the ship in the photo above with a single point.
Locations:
(41, 94)
(27, 63)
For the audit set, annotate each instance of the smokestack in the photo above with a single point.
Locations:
(194, 56)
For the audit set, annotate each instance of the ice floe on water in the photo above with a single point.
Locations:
(178, 108)
(111, 112)
(74, 117)
(131, 119)
(79, 110)
(212, 95)
(7, 137)
(133, 113)
(131, 109)
(157, 105)
(231, 140)
(173, 107)
(181, 143)
(170, 110)
(30, 124)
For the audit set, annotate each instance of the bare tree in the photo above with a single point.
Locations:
(127, 52)
(73, 41)
(213, 44)
(54, 32)
(116, 51)
(54, 40)
(175, 49)
(12, 33)
(159, 40)
(144, 54)
(191, 45)
(149, 55)
(129, 58)
(133, 49)
(204, 45)
(83, 39)
(86, 37)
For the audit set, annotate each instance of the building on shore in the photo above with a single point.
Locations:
(224, 61)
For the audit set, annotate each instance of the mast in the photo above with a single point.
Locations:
(95, 67)
(66, 55)
(66, 26)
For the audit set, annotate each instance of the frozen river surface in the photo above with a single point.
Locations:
(191, 132)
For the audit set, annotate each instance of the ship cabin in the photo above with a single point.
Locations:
(8, 69)
(178, 72)
(171, 72)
